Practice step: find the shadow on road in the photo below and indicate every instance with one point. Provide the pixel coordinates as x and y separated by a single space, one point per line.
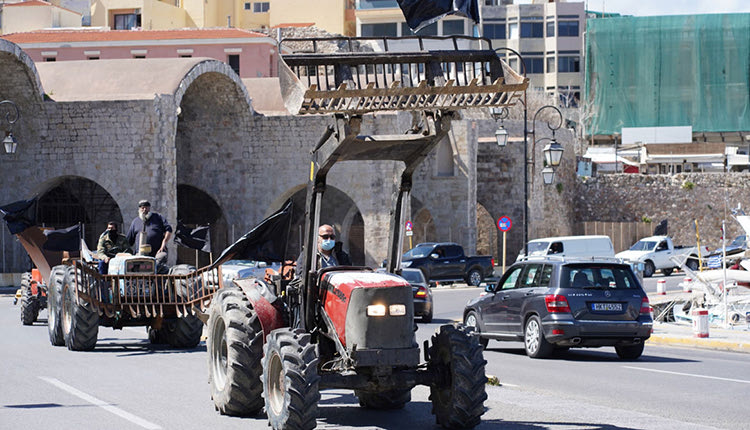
524 425
591 355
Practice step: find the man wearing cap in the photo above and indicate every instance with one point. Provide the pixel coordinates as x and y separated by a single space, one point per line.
152 232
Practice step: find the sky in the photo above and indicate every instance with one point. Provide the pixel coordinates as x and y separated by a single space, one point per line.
668 7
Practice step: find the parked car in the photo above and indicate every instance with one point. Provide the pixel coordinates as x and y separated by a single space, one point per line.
563 303
422 293
447 262
656 252
570 246
737 246
239 269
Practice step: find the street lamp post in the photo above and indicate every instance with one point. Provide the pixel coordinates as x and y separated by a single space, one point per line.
552 152
9 142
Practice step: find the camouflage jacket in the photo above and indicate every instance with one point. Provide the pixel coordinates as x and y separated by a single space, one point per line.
109 248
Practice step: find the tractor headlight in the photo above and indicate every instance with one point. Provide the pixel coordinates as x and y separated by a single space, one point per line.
397 310
376 310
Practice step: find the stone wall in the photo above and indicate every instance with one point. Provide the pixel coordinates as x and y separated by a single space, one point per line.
682 198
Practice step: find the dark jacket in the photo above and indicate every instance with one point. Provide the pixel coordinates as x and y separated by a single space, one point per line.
156 227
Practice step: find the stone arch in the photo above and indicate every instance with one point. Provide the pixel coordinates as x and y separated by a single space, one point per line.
196 207
423 224
337 209
206 68
68 200
487 234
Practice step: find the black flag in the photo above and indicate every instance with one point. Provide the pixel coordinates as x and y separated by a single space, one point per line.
420 13
66 239
265 242
661 228
19 215
198 238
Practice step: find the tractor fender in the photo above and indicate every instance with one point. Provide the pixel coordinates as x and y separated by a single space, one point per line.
262 299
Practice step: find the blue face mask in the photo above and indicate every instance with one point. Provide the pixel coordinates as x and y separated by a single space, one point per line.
327 244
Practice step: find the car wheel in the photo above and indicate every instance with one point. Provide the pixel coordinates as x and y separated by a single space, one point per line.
630 352
474 278
427 318
471 320
692 264
667 272
648 269
534 341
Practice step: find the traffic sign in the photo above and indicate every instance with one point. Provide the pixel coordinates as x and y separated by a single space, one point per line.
409 233
408 226
504 223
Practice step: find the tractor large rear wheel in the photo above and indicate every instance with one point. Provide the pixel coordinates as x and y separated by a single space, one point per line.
29 302
290 380
80 319
54 306
458 394
235 351
391 399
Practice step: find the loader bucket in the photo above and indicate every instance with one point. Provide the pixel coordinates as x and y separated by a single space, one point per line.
32 239
394 73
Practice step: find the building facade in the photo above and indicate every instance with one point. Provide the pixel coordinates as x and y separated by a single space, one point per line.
35 15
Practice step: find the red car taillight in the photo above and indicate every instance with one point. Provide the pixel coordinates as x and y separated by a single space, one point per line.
492 262
421 292
645 306
556 303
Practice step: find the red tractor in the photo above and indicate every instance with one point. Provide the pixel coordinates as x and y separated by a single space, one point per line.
350 327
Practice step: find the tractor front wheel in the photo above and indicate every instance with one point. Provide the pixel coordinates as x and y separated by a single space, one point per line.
80 319
54 306
29 302
391 399
458 394
235 351
290 380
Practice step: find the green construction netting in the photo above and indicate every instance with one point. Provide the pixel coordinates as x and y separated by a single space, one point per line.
668 71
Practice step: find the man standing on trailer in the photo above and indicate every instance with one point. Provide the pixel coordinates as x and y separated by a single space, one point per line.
152 231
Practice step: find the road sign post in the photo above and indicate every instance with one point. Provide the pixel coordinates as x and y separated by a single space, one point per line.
504 224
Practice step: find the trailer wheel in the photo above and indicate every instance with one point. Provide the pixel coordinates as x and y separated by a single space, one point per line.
290 380
80 319
29 302
391 399
183 332
54 306
458 394
235 351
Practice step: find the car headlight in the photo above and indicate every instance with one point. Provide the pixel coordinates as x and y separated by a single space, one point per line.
397 310
376 310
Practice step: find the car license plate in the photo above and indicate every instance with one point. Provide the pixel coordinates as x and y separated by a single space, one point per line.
606 307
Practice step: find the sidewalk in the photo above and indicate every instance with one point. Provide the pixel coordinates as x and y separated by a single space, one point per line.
673 334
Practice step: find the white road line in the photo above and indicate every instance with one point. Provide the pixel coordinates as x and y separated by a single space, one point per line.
94 401
689 374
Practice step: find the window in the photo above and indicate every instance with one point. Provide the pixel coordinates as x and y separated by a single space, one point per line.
92 58
430 30
550 64
570 99
139 56
247 6
513 30
510 279
494 31
48 59
127 21
379 30
532 29
567 29
453 27
185 56
551 29
234 62
261 7
534 65
453 251
445 158
569 64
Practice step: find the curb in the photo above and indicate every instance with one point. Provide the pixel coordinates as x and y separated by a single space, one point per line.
704 343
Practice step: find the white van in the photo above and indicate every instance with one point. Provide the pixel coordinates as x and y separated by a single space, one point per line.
570 246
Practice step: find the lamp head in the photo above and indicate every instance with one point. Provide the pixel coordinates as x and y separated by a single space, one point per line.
553 153
10 143
548 175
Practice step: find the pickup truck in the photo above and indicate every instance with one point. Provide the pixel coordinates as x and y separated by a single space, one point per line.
655 253
447 262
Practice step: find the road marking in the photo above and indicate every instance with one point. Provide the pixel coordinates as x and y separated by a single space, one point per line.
689 374
104 405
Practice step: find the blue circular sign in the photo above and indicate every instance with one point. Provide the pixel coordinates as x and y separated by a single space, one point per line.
504 223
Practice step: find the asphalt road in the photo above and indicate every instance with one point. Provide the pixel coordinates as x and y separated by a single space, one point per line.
127 384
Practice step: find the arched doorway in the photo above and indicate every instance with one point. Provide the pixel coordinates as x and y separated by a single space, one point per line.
423 225
487 234
194 208
72 200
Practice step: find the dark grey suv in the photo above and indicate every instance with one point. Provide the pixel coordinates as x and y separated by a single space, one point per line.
558 304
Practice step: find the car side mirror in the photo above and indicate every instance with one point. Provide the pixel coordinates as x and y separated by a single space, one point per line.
434 256
490 288
262 264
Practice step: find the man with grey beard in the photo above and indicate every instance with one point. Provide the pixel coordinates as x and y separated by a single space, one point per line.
152 232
